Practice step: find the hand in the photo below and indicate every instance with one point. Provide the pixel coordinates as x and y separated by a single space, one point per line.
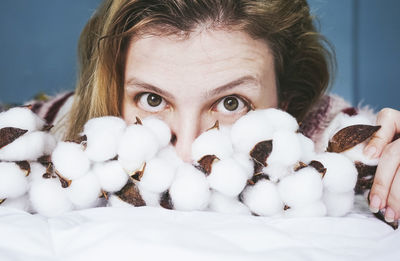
385 191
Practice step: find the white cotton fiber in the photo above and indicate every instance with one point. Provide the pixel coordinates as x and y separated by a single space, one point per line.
37 171
70 160
103 135
189 190
280 120
357 154
84 192
338 204
245 162
115 202
277 171
286 148
307 148
158 175
111 176
21 203
249 130
152 199
341 174
263 198
13 182
228 205
314 209
169 154
138 144
48 198
227 177
160 130
301 188
29 146
212 142
22 118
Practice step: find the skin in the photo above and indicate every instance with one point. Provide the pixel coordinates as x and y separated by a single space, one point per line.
194 77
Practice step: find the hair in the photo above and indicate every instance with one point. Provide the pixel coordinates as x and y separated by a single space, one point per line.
302 60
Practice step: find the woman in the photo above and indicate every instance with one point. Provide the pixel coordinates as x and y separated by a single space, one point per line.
191 63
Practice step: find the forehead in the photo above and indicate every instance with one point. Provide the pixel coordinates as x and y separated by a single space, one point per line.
211 57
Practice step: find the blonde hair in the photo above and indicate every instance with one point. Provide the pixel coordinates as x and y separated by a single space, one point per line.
302 63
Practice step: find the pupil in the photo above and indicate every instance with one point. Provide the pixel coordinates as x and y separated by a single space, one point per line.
231 103
153 100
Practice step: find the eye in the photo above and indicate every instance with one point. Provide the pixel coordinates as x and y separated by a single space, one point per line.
151 102
231 104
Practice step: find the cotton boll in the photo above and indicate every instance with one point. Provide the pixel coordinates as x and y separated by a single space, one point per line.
227 177
49 144
21 203
341 174
228 205
169 154
212 142
307 148
84 192
29 146
189 190
160 130
357 154
22 118
13 182
286 148
70 160
249 130
138 144
263 198
341 121
301 188
356 119
314 209
280 120
158 175
103 135
152 199
245 162
338 204
37 171
277 171
116 202
48 198
111 176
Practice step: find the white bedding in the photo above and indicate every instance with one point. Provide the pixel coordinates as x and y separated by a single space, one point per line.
148 233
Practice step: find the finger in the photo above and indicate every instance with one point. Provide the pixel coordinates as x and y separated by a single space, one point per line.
387 167
392 212
389 120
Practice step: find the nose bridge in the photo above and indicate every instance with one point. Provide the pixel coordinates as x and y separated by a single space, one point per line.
186 128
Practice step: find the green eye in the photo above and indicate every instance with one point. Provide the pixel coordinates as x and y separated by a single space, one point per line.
231 103
153 100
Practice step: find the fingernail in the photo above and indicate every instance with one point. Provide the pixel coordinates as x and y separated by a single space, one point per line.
389 215
370 152
374 204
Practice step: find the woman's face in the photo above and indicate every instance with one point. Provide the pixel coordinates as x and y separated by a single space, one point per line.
190 84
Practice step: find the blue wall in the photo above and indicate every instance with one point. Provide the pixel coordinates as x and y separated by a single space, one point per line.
38 47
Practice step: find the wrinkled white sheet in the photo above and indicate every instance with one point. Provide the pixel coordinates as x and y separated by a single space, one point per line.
147 233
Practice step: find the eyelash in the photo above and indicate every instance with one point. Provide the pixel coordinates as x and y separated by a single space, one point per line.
247 104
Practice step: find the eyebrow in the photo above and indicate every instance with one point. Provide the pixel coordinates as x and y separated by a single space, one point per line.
149 87
245 80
